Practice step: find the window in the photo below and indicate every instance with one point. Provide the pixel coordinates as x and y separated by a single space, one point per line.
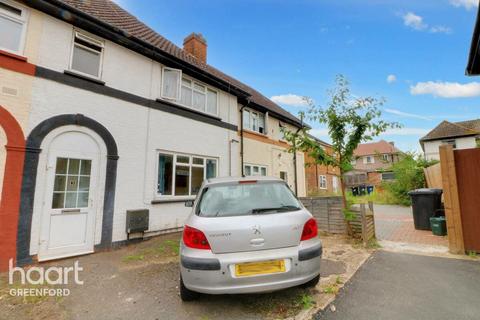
284 176
234 199
388 176
171 83
368 160
188 92
322 182
12 27
281 129
182 175
453 143
254 170
386 157
72 183
353 161
86 55
253 120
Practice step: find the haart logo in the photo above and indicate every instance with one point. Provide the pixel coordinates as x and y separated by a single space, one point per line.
51 276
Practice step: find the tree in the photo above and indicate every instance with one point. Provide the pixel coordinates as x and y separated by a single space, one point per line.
350 120
409 176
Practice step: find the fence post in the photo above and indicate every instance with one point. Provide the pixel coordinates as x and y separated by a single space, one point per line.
363 218
452 202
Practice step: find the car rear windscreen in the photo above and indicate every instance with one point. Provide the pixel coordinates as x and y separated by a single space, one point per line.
235 199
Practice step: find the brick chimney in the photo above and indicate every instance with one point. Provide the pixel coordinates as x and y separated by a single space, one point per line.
196 45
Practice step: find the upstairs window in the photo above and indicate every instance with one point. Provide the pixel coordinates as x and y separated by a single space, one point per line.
368 160
188 93
254 170
12 27
386 157
322 182
87 55
254 121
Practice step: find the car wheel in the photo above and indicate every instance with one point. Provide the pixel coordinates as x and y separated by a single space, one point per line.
187 294
312 283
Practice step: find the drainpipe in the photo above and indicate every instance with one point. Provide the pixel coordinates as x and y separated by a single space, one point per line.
241 135
295 157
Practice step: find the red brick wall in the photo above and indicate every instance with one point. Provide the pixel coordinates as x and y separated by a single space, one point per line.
313 171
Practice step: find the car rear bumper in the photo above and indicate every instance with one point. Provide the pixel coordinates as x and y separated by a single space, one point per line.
206 272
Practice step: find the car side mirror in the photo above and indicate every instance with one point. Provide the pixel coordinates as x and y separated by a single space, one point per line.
189 203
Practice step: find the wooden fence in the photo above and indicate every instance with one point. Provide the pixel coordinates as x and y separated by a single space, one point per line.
330 218
461 188
433 176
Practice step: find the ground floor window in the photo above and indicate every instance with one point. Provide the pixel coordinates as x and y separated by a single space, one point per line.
322 182
254 170
284 176
388 176
182 175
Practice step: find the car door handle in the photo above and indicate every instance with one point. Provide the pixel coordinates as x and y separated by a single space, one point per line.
257 242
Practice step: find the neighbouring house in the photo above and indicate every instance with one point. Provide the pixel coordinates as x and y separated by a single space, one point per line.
372 164
105 121
461 135
321 179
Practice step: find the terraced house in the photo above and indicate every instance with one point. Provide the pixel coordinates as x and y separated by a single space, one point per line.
104 119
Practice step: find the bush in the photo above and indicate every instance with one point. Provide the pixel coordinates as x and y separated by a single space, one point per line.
408 176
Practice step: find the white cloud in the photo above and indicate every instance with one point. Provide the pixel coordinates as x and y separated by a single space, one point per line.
391 78
416 22
411 20
290 100
447 89
406 114
467 4
440 29
406 132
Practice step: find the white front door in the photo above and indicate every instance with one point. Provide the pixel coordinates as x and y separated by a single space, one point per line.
68 217
335 184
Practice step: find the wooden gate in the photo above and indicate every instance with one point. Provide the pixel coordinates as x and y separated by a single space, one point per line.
461 184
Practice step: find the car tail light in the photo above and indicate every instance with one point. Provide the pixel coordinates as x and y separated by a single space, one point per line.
194 238
310 230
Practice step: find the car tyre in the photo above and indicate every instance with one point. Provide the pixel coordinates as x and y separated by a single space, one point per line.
312 283
187 294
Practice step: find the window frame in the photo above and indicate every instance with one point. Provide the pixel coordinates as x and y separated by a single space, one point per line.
23 19
190 165
178 99
386 157
389 172
94 41
322 179
179 84
255 115
365 160
258 166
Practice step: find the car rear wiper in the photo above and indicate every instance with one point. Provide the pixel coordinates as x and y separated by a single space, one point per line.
277 209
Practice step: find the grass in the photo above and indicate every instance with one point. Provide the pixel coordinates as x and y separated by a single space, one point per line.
167 248
331 289
306 301
472 254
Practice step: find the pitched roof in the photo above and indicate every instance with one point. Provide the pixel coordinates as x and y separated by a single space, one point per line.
448 129
112 14
382 146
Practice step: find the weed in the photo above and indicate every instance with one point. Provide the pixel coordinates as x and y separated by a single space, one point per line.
306 301
472 254
134 257
339 280
332 289
373 244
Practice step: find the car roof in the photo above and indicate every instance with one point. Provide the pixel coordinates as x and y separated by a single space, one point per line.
237 179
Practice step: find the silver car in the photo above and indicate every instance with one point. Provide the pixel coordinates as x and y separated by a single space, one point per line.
247 235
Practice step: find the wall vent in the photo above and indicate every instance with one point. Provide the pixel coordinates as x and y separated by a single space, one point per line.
8 91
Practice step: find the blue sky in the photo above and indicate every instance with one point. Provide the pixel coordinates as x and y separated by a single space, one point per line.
413 53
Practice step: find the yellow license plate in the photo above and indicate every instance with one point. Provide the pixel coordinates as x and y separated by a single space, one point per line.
263 267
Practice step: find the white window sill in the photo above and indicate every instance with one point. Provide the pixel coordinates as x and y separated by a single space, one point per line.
176 104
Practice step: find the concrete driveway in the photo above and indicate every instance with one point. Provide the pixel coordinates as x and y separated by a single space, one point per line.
403 286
